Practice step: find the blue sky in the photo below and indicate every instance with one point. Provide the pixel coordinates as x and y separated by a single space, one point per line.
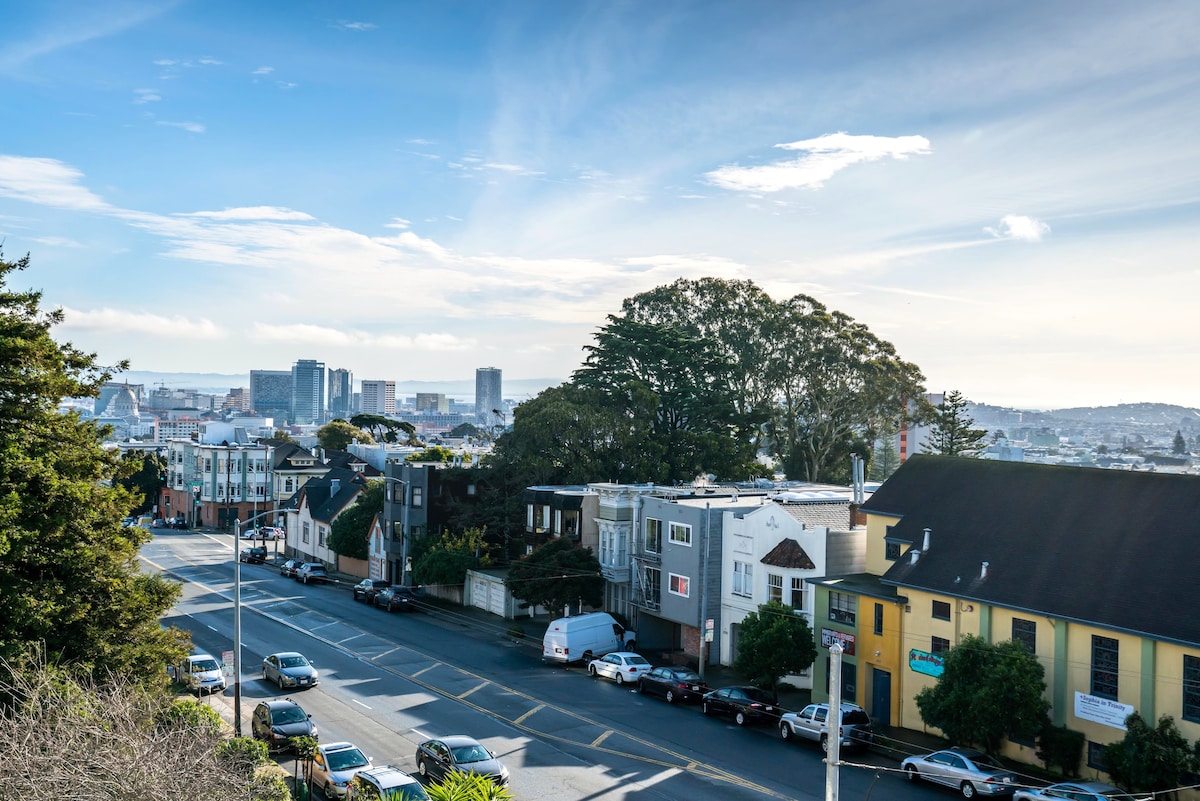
1009 193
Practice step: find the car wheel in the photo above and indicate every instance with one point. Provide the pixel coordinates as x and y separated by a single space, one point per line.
592 671
785 731
641 687
911 774
423 769
279 681
967 790
740 718
620 679
824 743
330 792
670 696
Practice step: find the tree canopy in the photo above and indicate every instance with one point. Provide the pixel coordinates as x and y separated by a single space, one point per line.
1151 759
336 435
448 560
556 575
950 432
351 529
774 642
386 429
69 575
987 692
143 474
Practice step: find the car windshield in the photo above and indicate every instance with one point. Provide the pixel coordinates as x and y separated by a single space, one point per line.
346 759
985 761
412 791
293 661
204 665
687 675
290 714
636 660
470 753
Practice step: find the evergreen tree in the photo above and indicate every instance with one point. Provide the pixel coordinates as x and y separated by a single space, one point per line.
69 573
950 433
886 459
1180 445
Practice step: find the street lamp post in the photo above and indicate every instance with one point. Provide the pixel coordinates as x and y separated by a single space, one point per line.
237 622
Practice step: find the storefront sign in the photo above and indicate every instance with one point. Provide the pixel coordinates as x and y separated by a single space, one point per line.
925 662
829 637
1102 710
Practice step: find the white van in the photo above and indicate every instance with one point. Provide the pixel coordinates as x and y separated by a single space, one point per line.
584 637
200 673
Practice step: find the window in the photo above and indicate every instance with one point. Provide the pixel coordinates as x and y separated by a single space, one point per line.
878 627
653 585
304 532
653 535
842 607
321 536
287 485
1025 632
678 585
743 579
1095 756
938 645
681 534
612 547
416 497
774 588
1191 688
891 551
798 593
1105 653
941 610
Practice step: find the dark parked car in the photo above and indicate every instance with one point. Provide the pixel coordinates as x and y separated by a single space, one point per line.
179 523
745 703
275 722
673 684
289 568
438 758
310 572
396 599
365 590
253 556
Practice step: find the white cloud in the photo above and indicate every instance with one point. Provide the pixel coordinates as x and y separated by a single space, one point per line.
824 157
123 321
263 71
357 26
1018 226
142 96
251 213
304 333
398 222
286 84
47 182
208 61
420 141
165 62
192 127
57 241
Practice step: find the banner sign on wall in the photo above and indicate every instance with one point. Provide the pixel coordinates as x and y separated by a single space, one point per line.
1102 710
925 662
829 637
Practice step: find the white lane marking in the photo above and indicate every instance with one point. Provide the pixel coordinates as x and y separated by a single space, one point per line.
360 703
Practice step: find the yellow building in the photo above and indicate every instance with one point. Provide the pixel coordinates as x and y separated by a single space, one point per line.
1094 570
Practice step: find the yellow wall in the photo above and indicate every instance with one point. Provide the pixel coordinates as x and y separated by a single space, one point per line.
876 548
879 651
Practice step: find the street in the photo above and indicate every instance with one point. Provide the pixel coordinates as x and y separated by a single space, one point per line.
390 680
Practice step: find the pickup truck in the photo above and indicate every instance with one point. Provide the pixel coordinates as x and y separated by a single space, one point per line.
811 723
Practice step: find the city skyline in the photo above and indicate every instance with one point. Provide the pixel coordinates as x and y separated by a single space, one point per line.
1007 194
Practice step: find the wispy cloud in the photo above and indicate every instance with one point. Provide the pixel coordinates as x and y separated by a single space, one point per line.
208 61
1020 227
328 336
250 213
398 222
263 71
191 127
142 96
356 26
286 84
144 322
823 158
420 141
46 182
57 241
69 30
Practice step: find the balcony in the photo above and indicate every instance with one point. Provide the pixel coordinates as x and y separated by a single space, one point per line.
618 574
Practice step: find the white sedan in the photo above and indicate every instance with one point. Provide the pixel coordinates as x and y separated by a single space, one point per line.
264 533
621 666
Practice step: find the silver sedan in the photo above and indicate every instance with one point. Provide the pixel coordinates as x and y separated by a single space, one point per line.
969 771
1073 791
289 669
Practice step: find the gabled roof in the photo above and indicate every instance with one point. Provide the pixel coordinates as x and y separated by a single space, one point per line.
788 554
833 515
323 503
1113 548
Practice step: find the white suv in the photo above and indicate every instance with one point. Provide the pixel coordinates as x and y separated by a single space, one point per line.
811 723
311 571
387 783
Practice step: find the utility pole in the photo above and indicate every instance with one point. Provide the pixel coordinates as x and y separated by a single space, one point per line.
834 723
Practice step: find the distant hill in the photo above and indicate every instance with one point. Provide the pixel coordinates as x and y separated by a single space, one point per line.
1144 413
220 383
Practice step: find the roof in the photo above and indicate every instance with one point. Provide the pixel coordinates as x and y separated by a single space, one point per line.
788 554
323 503
1112 548
834 515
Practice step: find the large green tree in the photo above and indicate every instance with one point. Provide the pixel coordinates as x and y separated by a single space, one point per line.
774 642
350 530
143 474
69 573
386 429
1150 759
556 575
951 432
336 435
987 692
450 557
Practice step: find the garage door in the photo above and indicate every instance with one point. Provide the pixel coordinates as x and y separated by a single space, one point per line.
496 599
479 593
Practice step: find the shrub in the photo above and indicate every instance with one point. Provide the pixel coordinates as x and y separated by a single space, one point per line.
1061 747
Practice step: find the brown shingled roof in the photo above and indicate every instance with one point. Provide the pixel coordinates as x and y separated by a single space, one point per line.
789 554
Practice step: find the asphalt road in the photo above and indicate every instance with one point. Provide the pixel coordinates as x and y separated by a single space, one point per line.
390 680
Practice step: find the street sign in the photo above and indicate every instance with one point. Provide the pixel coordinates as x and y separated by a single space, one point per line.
227 663
709 626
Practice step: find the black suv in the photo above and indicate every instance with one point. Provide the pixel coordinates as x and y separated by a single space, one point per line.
396 599
253 556
365 590
276 722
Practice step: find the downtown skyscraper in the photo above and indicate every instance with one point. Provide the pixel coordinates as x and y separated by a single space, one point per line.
489 401
308 392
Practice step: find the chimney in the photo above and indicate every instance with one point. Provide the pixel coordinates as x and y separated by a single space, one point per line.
916 555
335 484
857 516
925 542
983 570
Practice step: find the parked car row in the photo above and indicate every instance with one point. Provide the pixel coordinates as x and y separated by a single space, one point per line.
382 595
304 572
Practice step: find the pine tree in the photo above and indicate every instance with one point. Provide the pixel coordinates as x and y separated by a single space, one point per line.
951 433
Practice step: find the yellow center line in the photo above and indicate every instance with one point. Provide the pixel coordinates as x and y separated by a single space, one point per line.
531 712
601 738
426 669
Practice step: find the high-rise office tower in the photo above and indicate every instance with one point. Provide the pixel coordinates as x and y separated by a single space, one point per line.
432 402
341 394
308 392
271 394
489 402
378 397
